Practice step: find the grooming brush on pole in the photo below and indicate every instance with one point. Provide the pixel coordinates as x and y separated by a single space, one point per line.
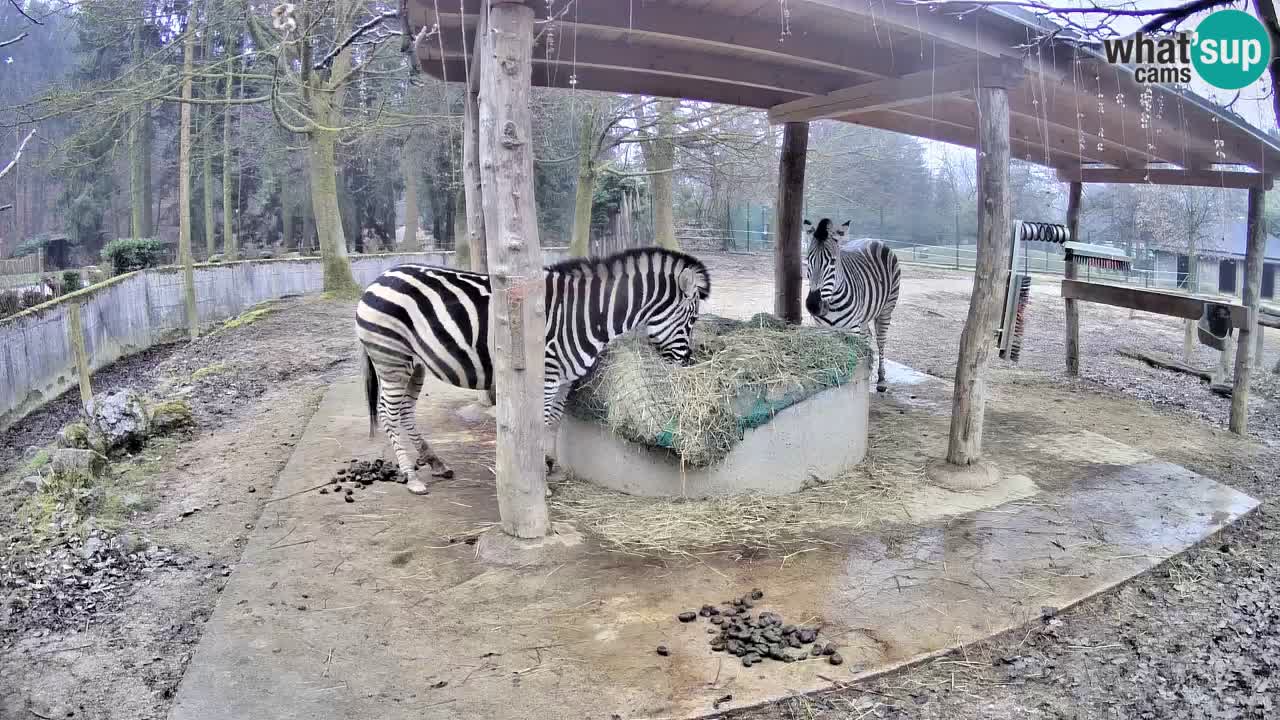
1100 257
1017 293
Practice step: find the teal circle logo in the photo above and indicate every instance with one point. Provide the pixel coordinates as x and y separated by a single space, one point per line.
1232 49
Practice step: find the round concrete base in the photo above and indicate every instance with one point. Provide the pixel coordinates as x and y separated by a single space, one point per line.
564 544
821 437
962 478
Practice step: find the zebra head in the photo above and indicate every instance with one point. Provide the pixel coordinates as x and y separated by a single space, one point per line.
670 327
821 264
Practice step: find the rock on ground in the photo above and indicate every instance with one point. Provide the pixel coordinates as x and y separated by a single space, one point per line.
69 461
120 418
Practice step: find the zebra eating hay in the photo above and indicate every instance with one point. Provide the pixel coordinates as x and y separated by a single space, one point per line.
416 319
862 287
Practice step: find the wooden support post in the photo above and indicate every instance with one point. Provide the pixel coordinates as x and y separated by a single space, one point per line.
1251 298
75 333
471 163
1069 272
515 264
1222 374
969 399
788 278
184 185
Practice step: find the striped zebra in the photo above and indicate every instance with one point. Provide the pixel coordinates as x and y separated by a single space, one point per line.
416 319
860 288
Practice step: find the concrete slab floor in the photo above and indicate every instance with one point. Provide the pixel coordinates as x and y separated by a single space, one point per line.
379 608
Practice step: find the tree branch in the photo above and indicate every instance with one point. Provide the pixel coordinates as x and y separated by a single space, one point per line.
22 12
1182 12
13 40
355 35
17 156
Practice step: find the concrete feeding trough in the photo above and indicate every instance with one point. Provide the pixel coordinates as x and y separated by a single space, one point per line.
764 408
821 436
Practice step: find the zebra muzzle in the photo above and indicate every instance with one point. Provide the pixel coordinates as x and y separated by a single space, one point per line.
815 304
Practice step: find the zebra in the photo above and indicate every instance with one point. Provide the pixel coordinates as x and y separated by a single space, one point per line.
415 319
863 286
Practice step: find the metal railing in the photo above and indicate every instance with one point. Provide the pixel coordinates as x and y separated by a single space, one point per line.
1047 263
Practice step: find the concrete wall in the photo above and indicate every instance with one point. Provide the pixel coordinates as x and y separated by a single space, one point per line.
132 312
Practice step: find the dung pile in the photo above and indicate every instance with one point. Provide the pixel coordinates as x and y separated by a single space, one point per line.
360 474
756 638
741 375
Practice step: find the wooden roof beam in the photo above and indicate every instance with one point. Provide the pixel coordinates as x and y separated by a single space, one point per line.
1233 179
962 135
1044 143
674 62
628 80
1059 104
953 28
897 92
708 32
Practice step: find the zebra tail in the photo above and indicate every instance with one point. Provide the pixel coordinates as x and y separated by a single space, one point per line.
371 392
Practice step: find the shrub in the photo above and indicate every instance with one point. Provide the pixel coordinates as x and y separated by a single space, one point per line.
71 281
10 303
32 298
129 254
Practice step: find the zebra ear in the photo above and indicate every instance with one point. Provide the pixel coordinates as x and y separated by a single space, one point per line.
841 230
687 282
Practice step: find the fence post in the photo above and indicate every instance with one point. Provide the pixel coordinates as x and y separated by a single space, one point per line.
75 333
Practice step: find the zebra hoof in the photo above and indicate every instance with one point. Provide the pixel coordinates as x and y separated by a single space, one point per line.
417 487
882 388
445 473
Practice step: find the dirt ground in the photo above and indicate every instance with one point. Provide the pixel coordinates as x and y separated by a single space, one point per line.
1198 637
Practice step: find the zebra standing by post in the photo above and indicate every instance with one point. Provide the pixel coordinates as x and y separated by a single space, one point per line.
851 288
416 319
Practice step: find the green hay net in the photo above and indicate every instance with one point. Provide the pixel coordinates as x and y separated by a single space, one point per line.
742 375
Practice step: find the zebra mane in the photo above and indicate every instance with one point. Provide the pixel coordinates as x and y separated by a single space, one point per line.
616 264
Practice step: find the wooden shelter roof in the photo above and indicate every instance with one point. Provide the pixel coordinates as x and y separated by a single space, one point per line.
882 64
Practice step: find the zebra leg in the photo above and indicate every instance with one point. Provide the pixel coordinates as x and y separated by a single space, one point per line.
882 335
393 385
408 416
553 398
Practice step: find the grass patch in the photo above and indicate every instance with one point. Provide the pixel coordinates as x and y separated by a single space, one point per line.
248 317
37 462
69 503
208 371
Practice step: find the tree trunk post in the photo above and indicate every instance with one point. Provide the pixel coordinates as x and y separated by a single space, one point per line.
411 169
1252 297
75 333
184 180
515 263
474 195
969 399
1069 272
230 246
1259 343
788 277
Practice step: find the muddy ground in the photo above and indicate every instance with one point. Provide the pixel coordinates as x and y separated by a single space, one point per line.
1198 637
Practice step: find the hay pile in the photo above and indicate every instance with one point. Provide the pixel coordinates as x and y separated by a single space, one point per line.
741 375
867 497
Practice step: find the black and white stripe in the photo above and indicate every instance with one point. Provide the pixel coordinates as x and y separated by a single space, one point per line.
416 319
854 287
